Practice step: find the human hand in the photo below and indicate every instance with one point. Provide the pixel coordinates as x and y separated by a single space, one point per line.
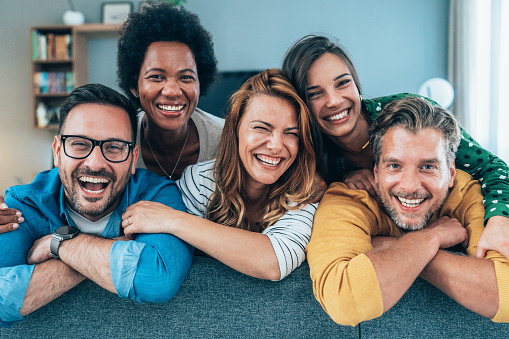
380 243
362 179
319 188
494 237
40 250
449 232
9 218
147 217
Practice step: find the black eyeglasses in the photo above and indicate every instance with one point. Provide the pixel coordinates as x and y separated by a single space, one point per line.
113 150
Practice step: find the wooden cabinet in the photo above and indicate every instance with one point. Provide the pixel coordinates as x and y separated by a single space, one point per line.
59 64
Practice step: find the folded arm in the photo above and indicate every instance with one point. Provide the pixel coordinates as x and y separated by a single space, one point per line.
470 281
152 268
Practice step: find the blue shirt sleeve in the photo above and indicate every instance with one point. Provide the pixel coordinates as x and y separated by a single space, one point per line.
15 274
153 267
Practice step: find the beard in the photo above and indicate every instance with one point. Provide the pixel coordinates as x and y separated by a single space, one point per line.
418 222
94 209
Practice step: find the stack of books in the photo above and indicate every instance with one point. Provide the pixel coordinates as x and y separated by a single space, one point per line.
51 46
53 82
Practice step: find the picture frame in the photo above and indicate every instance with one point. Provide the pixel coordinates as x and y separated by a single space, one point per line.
115 12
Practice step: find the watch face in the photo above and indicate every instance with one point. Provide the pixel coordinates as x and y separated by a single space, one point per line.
66 230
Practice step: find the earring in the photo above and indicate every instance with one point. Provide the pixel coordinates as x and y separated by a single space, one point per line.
360 97
136 95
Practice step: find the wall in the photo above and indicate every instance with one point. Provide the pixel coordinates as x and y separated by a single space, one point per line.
395 45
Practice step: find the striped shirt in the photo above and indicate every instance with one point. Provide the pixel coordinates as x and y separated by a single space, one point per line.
288 236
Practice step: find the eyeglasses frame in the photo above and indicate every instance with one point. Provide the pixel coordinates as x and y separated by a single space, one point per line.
94 142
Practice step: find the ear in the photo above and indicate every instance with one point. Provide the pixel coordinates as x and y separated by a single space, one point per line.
136 154
56 150
452 173
134 91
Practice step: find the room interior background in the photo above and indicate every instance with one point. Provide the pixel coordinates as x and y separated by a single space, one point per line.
395 44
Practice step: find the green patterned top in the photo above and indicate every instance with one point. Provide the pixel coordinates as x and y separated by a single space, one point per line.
490 170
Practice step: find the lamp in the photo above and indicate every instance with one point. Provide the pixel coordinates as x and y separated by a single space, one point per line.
439 90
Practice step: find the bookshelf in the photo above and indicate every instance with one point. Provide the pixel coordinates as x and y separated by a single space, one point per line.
59 63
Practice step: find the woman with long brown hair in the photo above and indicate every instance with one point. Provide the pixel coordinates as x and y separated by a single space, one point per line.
248 208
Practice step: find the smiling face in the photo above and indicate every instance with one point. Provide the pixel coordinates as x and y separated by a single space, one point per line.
168 85
333 97
93 186
413 176
268 139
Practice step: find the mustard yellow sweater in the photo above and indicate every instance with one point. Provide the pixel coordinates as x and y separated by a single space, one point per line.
344 279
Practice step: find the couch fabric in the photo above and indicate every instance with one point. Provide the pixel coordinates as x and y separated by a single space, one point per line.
218 302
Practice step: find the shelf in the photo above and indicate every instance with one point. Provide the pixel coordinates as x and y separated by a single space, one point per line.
53 62
77 64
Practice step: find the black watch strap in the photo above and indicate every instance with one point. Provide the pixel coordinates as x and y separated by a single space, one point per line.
61 234
54 246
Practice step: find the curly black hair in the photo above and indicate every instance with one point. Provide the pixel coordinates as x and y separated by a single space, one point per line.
157 21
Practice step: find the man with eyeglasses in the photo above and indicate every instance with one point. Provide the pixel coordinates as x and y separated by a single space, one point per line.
72 228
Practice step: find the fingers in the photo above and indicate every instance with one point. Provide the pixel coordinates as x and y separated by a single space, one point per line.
481 251
8 227
9 218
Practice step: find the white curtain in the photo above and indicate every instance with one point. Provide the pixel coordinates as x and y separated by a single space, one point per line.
479 70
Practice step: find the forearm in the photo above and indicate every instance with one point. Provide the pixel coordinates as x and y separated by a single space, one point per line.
471 282
90 256
399 265
49 280
248 252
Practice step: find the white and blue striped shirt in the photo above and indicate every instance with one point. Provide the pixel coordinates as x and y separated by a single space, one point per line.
288 236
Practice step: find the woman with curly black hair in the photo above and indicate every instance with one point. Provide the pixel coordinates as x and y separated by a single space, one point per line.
165 61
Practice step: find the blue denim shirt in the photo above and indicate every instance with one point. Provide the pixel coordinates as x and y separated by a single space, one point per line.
151 268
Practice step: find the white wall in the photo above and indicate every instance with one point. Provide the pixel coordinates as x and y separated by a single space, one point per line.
395 45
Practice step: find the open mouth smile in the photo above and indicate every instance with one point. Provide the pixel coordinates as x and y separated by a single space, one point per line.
411 203
171 108
93 185
337 116
268 161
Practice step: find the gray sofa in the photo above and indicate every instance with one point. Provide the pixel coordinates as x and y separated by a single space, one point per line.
218 302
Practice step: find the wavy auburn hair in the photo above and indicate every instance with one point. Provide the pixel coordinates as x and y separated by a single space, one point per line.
228 202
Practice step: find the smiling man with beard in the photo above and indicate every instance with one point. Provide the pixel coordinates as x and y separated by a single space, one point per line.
73 215
365 253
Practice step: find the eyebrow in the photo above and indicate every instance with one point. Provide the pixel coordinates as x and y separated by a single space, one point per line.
155 69
336 78
269 125
425 161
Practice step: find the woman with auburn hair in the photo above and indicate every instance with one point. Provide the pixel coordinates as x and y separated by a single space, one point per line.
248 208
326 79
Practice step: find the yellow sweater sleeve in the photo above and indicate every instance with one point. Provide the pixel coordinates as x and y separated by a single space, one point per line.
344 279
469 211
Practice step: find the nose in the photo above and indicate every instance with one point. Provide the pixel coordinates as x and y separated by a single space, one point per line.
409 181
275 143
333 99
95 159
171 88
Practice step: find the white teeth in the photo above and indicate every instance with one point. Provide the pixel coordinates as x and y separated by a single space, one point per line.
173 108
410 202
94 180
269 161
338 116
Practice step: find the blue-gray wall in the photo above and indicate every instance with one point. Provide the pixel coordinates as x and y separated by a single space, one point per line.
395 45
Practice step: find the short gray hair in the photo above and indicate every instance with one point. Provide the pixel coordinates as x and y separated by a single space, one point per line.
415 113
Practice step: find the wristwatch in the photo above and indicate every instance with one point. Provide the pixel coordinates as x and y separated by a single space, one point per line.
61 234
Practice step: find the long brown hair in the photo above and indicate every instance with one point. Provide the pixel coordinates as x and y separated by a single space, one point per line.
228 202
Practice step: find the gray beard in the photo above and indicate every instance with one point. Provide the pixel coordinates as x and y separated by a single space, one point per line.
395 218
